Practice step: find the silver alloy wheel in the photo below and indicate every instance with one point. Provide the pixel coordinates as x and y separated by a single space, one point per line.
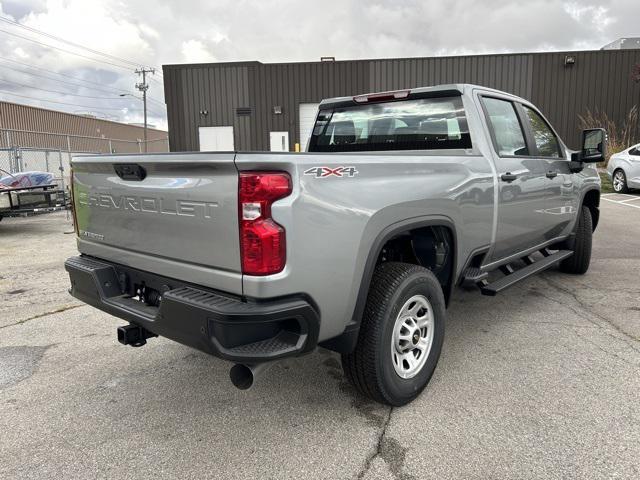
412 336
618 181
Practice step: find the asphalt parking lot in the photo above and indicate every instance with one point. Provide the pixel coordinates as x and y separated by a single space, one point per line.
542 381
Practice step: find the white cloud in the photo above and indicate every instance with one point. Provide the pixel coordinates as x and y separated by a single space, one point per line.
166 31
596 16
94 24
195 51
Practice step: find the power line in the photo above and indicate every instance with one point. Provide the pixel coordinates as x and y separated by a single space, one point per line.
56 73
60 39
103 87
160 114
66 51
91 107
120 97
68 42
14 69
60 103
59 92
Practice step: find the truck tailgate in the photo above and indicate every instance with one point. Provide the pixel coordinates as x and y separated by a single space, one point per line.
173 214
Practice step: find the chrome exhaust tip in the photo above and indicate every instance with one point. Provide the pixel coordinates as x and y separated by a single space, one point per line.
243 376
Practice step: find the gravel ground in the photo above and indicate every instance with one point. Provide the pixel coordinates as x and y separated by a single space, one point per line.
542 381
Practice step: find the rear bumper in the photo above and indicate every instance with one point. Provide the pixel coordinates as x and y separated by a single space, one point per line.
226 326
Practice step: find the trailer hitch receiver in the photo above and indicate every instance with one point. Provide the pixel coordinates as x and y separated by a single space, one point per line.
134 335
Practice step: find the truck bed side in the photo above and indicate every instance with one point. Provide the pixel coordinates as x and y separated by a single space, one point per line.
332 222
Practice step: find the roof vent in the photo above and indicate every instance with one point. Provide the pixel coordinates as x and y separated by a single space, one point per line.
243 111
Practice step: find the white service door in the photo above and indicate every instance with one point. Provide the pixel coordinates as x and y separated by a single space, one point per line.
279 141
307 114
216 139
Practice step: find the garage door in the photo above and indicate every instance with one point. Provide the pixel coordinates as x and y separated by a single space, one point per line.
307 116
216 139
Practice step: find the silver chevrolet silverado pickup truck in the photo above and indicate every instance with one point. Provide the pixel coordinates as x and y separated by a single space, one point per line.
355 246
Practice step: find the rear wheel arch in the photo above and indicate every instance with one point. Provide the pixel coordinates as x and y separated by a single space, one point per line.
346 342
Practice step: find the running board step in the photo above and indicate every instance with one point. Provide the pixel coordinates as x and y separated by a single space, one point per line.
531 269
473 276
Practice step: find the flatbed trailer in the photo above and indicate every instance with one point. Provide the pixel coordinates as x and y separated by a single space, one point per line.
32 200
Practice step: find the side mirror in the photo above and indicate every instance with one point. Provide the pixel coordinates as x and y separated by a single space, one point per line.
593 145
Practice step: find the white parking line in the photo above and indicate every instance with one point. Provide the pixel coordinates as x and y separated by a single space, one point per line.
621 197
618 195
621 202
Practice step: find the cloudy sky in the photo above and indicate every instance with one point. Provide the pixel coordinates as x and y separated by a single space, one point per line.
37 68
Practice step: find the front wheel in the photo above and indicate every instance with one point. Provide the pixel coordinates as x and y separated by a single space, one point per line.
401 334
579 262
620 181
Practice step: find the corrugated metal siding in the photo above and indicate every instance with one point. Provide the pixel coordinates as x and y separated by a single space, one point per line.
217 89
600 80
511 73
289 85
25 117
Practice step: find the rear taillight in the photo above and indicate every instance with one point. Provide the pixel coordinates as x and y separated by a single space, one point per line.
262 240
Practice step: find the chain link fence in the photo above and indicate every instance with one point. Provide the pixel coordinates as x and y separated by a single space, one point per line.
25 150
79 143
20 159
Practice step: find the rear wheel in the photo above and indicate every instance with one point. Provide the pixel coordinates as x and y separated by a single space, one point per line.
579 262
401 334
620 181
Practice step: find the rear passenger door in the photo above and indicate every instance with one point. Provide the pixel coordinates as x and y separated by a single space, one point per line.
561 198
522 181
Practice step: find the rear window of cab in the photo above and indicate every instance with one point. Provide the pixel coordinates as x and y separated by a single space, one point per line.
414 124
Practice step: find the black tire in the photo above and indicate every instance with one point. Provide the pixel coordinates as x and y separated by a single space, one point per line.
578 263
623 186
370 367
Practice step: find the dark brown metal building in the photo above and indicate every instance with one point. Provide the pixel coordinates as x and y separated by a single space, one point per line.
256 106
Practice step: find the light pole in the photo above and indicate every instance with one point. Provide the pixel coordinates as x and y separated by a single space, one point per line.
144 106
144 103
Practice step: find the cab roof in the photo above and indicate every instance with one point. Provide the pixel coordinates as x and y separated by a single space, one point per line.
445 90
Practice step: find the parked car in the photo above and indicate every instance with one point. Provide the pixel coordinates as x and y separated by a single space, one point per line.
355 246
624 169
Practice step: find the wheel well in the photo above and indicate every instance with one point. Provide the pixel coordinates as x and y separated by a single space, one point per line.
431 247
592 202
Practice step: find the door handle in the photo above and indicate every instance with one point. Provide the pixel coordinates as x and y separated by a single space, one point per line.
552 174
508 177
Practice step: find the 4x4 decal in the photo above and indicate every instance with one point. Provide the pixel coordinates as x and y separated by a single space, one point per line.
324 172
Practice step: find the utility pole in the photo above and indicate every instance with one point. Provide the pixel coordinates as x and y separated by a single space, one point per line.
143 87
